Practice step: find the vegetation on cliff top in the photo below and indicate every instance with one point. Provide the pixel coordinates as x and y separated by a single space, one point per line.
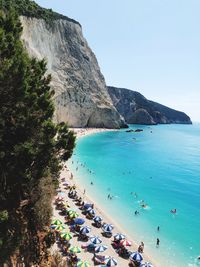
32 147
29 8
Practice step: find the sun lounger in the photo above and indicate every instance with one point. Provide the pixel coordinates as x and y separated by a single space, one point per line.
107 234
98 259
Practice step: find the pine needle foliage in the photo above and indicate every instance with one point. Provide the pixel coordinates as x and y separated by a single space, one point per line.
32 146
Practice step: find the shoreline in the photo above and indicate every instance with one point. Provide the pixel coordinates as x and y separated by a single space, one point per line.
83 132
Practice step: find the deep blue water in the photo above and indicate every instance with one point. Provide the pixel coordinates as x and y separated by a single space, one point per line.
162 165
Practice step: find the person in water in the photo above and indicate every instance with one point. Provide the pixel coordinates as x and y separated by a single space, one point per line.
157 242
158 228
173 211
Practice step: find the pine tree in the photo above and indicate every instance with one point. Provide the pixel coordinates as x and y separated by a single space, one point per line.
31 145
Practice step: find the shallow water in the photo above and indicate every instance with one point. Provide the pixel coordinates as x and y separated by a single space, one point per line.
162 166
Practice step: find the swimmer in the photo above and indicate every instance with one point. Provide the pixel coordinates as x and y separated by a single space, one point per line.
157 242
158 228
173 211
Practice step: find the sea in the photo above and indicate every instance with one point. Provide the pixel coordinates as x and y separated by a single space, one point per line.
155 172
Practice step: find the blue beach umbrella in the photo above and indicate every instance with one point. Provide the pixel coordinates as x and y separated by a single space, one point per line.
110 261
79 221
88 209
100 248
146 264
87 205
92 212
108 227
97 219
119 237
95 240
136 256
85 230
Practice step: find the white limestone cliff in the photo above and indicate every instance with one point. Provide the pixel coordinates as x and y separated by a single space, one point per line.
81 96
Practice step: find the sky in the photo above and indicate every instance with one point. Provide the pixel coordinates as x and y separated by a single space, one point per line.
150 46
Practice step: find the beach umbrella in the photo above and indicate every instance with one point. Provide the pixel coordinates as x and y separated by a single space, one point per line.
73 215
60 228
79 221
97 219
70 211
92 212
146 264
125 243
119 237
100 248
136 256
87 205
110 261
82 264
75 249
66 235
89 209
108 227
56 222
95 240
85 230
67 205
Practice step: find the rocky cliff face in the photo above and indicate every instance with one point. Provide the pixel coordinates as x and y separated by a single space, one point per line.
81 96
136 109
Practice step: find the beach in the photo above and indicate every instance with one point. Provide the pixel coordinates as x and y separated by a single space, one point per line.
66 177
81 132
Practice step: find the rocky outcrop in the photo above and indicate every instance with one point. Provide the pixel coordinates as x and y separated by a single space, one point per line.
136 109
81 96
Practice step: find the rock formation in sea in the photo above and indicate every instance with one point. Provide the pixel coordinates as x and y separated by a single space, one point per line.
81 96
136 109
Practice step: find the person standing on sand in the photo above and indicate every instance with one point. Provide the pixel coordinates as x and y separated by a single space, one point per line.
141 247
84 192
157 242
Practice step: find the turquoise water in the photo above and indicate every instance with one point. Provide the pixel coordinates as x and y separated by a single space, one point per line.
162 165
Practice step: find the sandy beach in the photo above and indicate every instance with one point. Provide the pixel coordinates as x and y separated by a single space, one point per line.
81 132
66 177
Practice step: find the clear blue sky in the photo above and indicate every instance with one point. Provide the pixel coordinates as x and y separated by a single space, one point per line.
152 46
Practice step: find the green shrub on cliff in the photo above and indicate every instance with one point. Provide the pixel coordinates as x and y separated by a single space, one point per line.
31 9
31 145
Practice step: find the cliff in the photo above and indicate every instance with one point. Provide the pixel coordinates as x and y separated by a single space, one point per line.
136 109
81 96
